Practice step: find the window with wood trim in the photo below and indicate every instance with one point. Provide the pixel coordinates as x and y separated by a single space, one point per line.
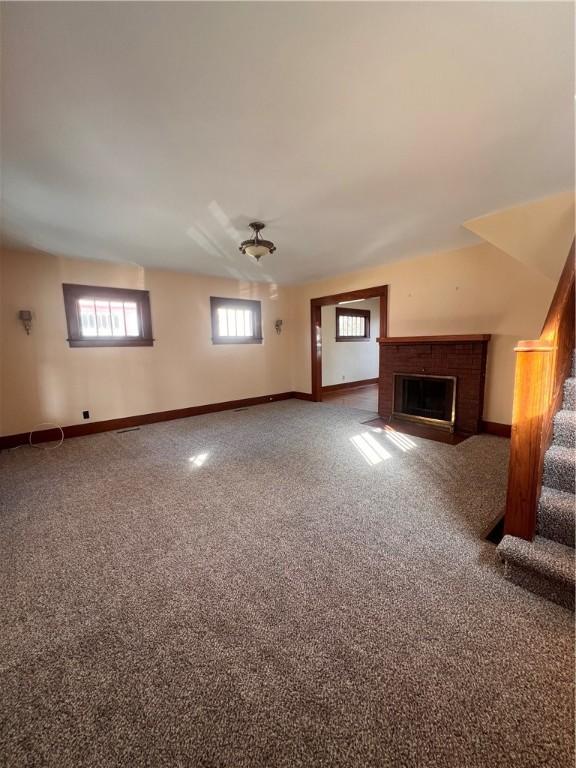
236 321
352 324
107 317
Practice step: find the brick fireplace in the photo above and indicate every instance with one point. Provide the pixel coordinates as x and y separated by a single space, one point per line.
421 373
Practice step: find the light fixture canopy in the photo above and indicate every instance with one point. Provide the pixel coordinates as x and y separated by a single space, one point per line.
256 246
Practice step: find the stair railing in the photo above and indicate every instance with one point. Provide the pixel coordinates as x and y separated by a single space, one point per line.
542 366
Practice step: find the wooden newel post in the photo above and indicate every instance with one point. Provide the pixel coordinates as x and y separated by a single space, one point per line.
533 384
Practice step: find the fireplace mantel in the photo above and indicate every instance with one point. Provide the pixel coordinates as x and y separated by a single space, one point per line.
459 339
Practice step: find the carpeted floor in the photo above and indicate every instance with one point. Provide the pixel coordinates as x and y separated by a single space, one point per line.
274 587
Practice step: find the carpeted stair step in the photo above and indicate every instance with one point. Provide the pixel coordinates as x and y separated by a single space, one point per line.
565 428
559 468
557 516
570 394
542 566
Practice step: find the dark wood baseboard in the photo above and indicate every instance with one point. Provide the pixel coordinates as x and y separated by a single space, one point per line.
110 425
349 385
495 428
303 396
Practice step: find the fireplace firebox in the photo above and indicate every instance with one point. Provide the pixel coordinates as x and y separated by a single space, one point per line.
426 399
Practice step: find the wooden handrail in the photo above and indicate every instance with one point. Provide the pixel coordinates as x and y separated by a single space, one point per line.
542 366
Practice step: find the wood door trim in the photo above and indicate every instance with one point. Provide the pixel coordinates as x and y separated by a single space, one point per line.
379 291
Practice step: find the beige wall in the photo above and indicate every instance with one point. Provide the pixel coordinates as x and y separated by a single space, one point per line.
472 290
45 380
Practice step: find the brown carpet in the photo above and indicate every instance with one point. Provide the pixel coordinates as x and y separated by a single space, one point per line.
276 587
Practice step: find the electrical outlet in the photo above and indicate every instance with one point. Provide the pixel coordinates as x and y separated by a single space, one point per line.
85 414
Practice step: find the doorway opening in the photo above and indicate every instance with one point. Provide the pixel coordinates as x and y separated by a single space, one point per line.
345 329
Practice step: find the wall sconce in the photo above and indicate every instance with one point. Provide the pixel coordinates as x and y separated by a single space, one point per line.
278 327
26 319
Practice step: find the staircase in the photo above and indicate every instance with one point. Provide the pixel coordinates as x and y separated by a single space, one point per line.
545 565
538 543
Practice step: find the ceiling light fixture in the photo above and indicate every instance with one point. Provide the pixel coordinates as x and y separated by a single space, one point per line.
256 247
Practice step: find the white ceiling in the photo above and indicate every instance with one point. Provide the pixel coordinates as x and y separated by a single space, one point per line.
361 133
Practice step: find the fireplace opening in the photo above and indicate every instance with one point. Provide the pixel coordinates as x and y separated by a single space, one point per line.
428 399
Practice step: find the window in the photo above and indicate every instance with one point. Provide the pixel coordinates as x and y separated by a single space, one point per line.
236 321
107 317
352 324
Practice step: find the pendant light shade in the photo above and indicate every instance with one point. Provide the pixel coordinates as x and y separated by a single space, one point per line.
256 246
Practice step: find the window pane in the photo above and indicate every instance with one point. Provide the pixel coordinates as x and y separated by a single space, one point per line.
103 318
117 315
131 318
237 323
99 317
240 323
87 317
222 322
232 322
